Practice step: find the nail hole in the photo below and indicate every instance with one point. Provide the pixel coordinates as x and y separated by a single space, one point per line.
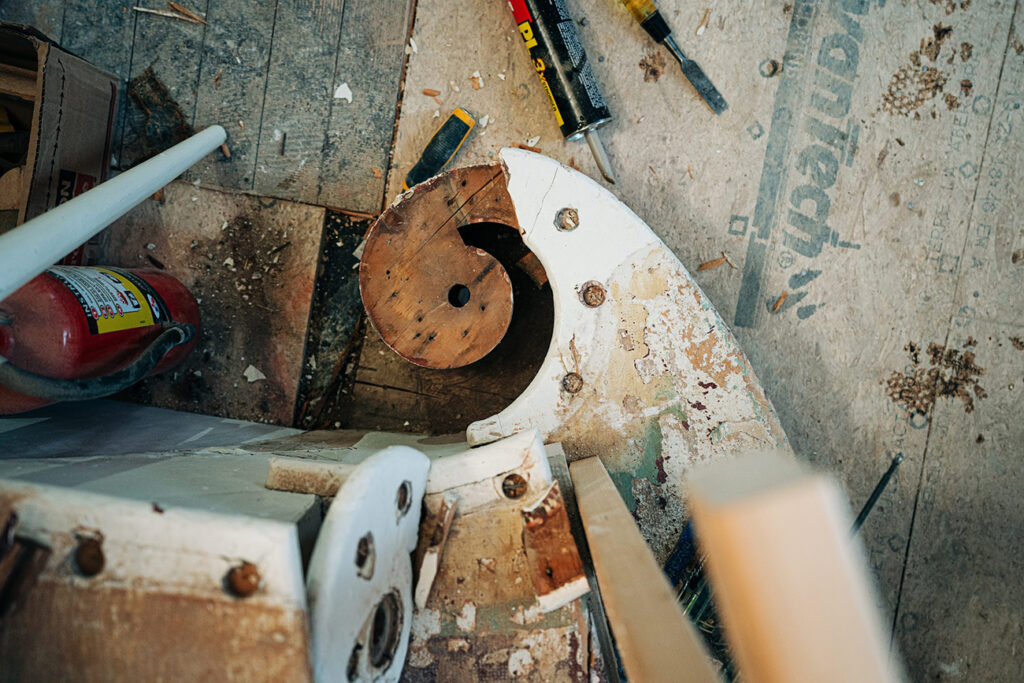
458 295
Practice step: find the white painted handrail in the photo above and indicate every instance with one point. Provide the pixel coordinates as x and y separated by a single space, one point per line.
32 247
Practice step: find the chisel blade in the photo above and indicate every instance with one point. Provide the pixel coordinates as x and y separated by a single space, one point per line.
701 83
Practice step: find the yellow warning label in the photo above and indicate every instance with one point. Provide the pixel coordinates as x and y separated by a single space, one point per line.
111 302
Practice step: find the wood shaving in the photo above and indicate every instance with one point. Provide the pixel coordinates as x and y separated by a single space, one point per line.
430 92
704 22
528 148
187 12
224 149
778 302
376 173
713 263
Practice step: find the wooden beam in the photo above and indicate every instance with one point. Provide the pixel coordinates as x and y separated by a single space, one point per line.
789 580
656 640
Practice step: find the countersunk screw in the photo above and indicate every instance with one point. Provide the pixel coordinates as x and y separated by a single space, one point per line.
243 580
572 383
593 294
567 219
89 556
514 486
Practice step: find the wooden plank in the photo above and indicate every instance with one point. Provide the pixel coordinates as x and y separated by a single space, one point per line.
360 132
232 81
298 100
656 640
102 33
161 93
47 16
788 579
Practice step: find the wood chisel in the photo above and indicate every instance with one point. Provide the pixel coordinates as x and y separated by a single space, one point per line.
565 74
645 12
443 145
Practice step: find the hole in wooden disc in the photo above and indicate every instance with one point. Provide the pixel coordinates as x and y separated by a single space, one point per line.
458 295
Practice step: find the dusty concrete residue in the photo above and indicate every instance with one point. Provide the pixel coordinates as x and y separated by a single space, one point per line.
653 66
950 373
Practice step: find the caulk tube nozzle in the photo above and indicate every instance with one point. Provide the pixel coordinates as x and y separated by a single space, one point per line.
600 156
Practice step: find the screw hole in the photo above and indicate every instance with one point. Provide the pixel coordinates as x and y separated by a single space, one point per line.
384 634
458 295
403 499
364 556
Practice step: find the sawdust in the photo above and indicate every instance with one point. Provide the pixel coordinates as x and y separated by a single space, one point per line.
951 373
910 88
653 66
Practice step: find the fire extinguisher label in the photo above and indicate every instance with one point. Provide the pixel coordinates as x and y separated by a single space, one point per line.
112 299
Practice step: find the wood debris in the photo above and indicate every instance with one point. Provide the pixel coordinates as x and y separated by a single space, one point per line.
376 173
704 22
187 12
478 81
216 79
713 263
165 13
778 302
430 92
439 100
528 148
224 149
158 196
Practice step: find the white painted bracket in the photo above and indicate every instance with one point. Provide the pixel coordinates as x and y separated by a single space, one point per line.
360 574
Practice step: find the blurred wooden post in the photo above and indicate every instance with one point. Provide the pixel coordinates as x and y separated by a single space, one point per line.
788 579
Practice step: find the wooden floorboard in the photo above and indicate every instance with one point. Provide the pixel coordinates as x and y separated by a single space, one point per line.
232 84
360 132
47 17
160 99
298 100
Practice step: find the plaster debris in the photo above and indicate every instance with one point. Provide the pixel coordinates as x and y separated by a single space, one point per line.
484 120
453 86
252 374
478 81
151 246
437 113
229 262
501 76
412 44
532 142
343 92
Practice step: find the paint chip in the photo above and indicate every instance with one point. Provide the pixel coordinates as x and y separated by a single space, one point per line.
343 92
252 374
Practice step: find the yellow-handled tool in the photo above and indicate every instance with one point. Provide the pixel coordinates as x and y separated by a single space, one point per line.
647 14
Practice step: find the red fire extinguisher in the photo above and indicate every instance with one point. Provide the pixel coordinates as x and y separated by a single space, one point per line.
75 333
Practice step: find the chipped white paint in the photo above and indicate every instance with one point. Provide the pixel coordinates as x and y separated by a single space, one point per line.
176 550
343 596
466 619
520 663
425 623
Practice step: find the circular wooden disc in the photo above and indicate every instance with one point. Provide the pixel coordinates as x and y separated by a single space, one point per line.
436 301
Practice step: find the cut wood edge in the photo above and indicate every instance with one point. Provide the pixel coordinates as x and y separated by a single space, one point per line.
432 557
296 475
